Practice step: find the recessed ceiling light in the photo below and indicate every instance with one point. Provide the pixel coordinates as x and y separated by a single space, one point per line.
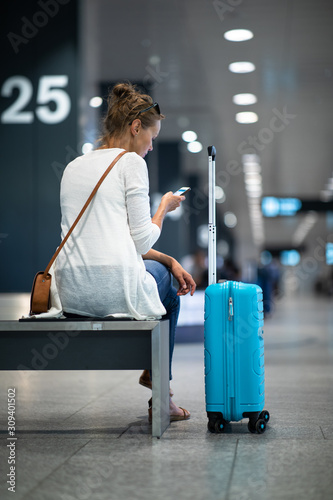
244 99
96 102
252 179
219 194
254 194
238 35
250 158
86 147
230 219
189 136
254 189
241 67
246 117
194 147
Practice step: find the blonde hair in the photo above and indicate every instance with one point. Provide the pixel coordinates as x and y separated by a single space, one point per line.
125 102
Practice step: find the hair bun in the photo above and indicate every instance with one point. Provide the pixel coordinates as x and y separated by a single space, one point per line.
123 90
125 103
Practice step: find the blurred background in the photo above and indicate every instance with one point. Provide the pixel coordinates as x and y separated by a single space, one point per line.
252 77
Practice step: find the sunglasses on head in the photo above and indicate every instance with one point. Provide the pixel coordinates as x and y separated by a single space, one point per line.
155 105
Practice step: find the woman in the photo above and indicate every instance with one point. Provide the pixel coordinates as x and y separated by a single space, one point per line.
108 265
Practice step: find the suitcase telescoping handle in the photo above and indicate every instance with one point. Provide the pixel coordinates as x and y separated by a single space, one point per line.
211 217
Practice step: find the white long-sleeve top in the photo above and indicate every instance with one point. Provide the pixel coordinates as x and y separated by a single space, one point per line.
100 270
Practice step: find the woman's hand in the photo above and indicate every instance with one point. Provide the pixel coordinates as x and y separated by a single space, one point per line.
170 202
185 280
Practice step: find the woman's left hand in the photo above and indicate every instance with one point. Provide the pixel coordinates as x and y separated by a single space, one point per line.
185 280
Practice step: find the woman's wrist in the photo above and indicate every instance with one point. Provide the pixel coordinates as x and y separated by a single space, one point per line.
163 258
162 209
172 261
166 260
158 218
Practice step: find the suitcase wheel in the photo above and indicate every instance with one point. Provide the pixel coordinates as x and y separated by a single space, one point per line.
217 426
258 426
220 426
264 415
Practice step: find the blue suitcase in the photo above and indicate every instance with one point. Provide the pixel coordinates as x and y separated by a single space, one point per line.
234 343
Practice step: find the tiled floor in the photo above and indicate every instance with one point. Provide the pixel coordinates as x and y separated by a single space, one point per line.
84 435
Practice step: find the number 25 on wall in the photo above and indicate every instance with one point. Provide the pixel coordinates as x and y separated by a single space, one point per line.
50 89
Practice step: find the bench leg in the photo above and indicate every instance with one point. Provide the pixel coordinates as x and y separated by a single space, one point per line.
160 378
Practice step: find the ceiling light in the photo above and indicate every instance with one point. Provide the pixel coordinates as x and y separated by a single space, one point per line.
251 168
219 194
246 117
253 179
194 147
238 35
250 158
244 99
230 219
86 147
189 136
253 187
241 67
96 102
253 191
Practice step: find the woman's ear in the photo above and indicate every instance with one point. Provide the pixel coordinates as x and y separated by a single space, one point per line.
135 126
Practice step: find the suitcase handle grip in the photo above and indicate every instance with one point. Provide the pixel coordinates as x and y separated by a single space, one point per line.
212 152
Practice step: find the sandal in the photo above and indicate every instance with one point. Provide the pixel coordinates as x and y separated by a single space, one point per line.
185 416
173 418
145 381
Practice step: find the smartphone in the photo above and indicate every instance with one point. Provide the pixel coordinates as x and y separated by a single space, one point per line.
182 191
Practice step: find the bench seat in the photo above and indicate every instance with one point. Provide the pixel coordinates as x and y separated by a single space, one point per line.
92 344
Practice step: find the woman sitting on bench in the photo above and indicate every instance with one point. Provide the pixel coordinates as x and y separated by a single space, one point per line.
108 266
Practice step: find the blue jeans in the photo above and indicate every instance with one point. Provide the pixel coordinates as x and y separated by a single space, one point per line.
169 298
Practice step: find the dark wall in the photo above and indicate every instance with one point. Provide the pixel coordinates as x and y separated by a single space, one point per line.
169 179
38 110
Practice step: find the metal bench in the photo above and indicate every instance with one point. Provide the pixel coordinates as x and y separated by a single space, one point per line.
92 344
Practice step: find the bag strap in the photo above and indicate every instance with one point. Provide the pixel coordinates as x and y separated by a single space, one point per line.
94 191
